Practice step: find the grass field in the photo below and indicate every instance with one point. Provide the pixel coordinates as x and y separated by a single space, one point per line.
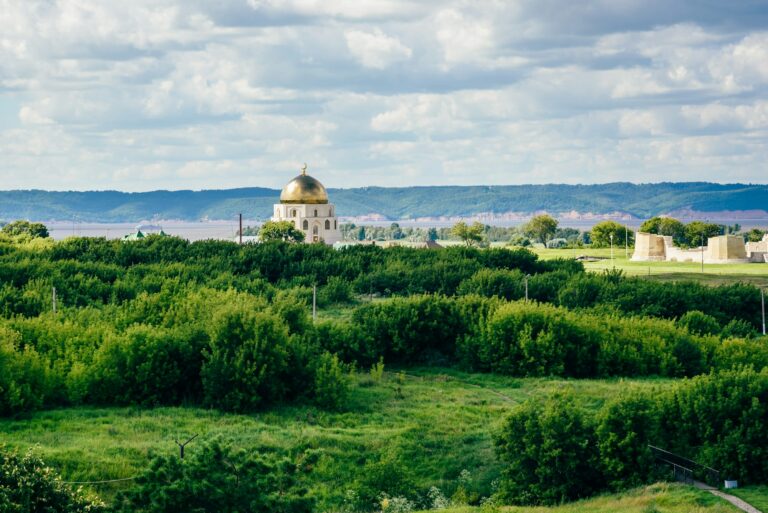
664 271
440 422
755 495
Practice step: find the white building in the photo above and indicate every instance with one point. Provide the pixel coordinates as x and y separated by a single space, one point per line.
304 202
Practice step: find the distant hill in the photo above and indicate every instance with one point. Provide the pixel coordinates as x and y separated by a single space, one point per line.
612 199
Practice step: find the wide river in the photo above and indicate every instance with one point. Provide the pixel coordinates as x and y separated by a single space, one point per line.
227 230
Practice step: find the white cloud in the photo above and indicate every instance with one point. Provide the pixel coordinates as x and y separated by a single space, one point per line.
29 116
376 49
170 94
462 38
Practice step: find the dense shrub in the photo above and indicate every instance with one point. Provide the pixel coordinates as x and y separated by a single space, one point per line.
24 380
216 477
332 382
699 323
382 477
144 323
494 283
247 363
148 366
721 420
27 485
549 453
413 329
626 425
553 451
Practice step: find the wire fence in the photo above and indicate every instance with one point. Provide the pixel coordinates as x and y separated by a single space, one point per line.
103 481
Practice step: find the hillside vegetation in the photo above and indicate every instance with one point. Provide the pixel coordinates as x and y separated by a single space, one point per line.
428 380
639 200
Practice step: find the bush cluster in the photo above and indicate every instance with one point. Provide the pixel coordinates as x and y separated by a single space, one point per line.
555 451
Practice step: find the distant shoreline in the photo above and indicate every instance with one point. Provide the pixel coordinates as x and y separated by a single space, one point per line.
227 230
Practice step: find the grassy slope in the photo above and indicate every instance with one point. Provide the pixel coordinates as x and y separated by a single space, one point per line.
442 423
658 498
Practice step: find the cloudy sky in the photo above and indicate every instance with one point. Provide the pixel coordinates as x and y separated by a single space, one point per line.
189 94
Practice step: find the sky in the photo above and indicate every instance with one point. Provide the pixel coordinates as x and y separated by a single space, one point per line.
193 94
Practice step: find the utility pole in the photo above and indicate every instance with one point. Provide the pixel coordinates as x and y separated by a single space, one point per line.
314 302
612 264
526 288
626 242
54 300
241 228
182 445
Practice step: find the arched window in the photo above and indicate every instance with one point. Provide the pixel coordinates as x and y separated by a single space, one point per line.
327 224
293 213
315 212
314 230
305 225
334 224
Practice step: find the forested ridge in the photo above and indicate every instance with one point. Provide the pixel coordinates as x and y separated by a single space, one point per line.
163 321
639 200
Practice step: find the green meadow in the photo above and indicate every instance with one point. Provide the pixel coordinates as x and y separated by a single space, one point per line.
436 421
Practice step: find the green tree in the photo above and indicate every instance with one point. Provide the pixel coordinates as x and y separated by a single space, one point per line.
665 226
626 425
756 235
602 231
216 477
697 232
280 230
24 381
432 234
494 282
25 228
541 227
397 232
549 453
699 323
332 381
470 235
27 485
247 363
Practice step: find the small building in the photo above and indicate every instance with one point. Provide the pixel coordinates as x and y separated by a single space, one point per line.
145 230
304 202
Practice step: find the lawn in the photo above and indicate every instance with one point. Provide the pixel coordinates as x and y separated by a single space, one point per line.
439 421
714 274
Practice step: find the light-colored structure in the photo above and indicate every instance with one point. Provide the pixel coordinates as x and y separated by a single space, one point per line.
649 247
723 249
726 248
758 251
304 202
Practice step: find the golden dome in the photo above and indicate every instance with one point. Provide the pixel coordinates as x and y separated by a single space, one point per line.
304 190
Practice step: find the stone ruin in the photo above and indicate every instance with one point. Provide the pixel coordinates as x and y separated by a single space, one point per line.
723 249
